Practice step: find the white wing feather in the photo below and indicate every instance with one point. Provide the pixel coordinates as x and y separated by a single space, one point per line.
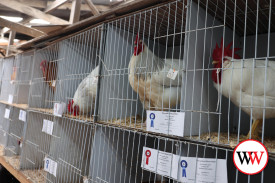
85 94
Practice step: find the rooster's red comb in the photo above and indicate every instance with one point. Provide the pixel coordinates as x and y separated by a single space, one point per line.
70 106
227 51
43 61
137 39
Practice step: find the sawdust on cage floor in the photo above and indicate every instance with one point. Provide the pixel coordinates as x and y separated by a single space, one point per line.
78 117
132 122
21 106
233 140
37 175
2 150
14 161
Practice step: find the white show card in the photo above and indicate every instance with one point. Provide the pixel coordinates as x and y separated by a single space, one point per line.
59 109
171 123
164 163
53 83
211 170
7 114
50 166
22 115
50 127
149 159
184 169
10 100
47 127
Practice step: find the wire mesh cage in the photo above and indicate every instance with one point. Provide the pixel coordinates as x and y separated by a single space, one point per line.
65 72
119 155
36 145
8 76
71 149
142 95
137 59
4 123
79 72
234 94
24 68
44 76
1 68
15 133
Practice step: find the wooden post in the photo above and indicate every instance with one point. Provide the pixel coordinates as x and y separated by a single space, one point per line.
11 41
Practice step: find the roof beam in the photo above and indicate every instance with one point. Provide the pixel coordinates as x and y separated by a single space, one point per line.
54 5
21 28
24 21
32 11
75 11
65 6
92 7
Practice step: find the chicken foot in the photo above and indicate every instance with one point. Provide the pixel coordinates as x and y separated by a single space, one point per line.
256 129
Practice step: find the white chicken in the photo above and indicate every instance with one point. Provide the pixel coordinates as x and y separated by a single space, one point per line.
148 77
84 97
242 91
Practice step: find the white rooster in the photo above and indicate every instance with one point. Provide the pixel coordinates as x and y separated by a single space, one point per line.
148 77
84 97
232 73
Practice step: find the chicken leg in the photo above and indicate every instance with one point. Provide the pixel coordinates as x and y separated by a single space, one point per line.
255 129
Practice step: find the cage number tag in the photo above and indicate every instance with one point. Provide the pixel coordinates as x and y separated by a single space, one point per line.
53 83
7 113
47 126
59 108
50 166
10 100
172 74
22 115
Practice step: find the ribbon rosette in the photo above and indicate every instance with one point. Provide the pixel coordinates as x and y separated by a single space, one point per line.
183 165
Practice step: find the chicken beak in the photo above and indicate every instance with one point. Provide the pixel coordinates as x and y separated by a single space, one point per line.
215 62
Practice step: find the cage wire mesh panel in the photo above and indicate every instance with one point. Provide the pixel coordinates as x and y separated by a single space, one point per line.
15 135
137 58
1 69
180 57
71 149
36 146
44 76
23 77
4 124
8 76
117 157
79 72
77 87
235 95
77 83
65 72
